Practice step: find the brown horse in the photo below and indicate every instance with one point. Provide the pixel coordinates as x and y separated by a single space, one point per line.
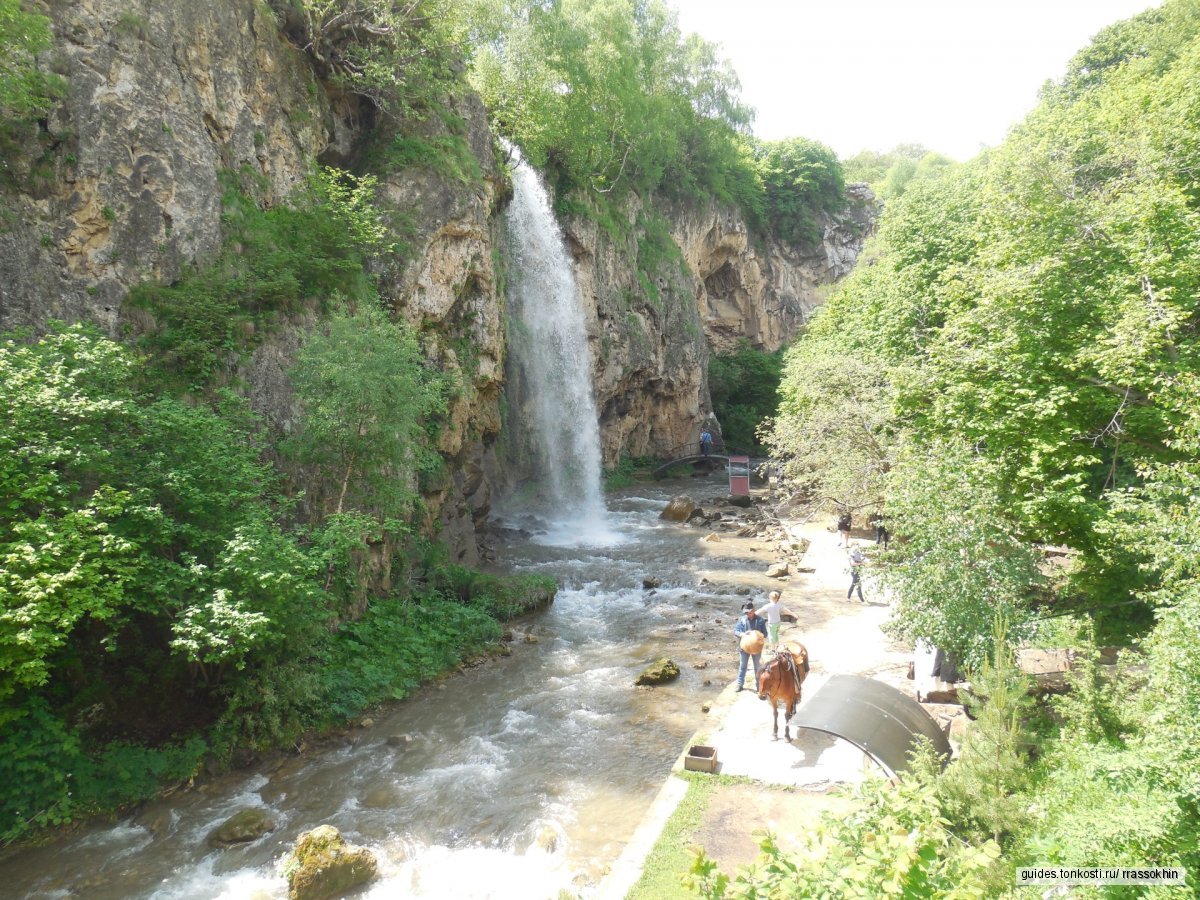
780 680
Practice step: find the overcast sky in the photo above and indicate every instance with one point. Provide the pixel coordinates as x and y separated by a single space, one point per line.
953 75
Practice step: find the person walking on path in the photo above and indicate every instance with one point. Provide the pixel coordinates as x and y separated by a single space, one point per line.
857 561
773 610
845 522
882 535
749 621
706 442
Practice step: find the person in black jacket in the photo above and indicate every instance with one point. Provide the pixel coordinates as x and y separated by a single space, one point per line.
845 523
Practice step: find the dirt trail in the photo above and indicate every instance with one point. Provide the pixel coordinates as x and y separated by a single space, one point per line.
792 780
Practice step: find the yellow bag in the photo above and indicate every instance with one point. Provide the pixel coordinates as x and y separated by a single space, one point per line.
752 642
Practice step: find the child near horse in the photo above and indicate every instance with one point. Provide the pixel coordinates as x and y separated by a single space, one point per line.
774 610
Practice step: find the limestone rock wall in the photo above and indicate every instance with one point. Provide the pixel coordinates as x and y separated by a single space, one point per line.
650 353
123 183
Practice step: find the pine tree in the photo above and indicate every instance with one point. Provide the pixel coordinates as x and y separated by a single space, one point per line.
984 785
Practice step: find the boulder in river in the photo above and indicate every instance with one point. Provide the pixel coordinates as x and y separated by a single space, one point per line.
679 509
778 570
242 827
649 583
742 500
323 865
660 672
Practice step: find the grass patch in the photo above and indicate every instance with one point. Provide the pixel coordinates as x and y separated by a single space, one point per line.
672 855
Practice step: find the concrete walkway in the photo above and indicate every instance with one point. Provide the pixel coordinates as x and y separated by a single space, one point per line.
791 780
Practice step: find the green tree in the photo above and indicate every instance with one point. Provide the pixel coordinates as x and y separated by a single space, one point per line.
801 179
744 386
894 843
609 95
986 785
962 562
402 55
367 397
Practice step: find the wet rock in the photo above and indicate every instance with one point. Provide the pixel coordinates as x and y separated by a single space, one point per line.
705 707
399 741
323 865
659 672
242 827
703 664
367 723
778 570
712 538
747 531
679 509
384 797
741 500
547 840
649 583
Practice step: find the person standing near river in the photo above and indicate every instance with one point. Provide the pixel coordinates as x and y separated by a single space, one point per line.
748 623
773 610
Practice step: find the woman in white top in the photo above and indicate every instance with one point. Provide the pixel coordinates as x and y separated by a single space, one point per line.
773 610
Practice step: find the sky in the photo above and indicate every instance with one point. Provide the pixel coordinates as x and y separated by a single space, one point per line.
953 75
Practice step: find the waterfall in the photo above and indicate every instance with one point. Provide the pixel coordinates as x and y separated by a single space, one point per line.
552 366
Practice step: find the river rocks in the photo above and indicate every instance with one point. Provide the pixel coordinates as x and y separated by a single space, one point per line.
384 797
323 865
778 570
649 583
742 500
547 840
660 672
713 537
399 741
678 510
242 827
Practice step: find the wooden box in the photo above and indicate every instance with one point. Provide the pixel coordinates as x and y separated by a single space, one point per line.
701 759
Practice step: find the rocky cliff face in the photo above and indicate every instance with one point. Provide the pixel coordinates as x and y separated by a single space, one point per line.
650 347
123 184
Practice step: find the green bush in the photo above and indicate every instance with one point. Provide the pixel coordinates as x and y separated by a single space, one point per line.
744 386
896 843
278 261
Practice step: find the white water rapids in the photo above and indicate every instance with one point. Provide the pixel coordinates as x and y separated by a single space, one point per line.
525 776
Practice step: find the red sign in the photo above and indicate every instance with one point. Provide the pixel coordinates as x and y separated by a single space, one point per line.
739 476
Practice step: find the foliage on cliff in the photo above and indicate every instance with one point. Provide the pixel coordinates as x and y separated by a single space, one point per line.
744 386
609 96
401 56
24 89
